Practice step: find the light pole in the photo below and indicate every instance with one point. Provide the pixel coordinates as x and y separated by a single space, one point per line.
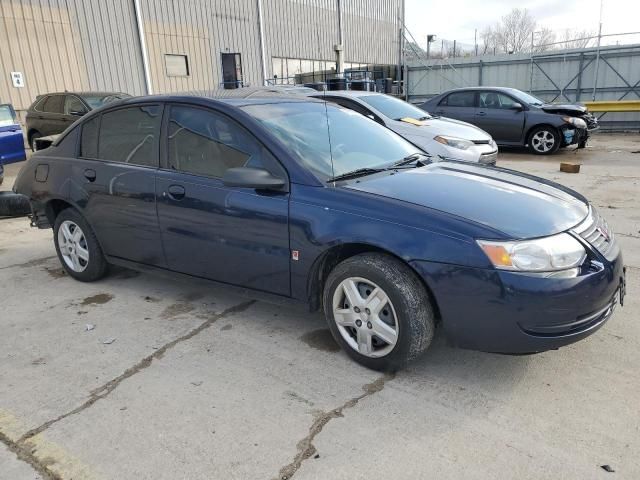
430 40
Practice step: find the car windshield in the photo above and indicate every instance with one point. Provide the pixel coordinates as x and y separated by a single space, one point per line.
330 140
394 108
96 101
6 116
528 99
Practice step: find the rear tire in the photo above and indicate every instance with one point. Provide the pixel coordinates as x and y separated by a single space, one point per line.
378 311
544 140
77 247
14 205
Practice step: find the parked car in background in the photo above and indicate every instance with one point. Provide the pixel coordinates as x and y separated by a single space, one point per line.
437 136
516 118
54 112
11 138
301 199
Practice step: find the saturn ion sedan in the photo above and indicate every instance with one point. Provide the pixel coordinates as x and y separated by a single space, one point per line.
300 199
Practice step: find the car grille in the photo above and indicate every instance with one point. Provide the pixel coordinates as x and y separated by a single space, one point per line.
596 231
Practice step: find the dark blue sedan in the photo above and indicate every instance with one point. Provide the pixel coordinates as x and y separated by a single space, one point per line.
301 199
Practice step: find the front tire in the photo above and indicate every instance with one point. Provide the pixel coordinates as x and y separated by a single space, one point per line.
378 311
77 247
544 140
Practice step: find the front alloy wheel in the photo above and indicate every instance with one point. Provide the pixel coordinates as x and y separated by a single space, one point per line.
544 141
378 310
365 317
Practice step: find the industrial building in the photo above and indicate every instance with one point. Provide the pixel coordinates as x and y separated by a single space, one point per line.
158 46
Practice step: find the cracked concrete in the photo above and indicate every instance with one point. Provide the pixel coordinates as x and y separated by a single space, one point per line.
264 393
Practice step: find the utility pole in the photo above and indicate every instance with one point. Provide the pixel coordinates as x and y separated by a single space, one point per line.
454 49
475 40
595 80
430 40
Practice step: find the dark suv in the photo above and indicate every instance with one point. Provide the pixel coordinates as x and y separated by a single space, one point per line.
54 112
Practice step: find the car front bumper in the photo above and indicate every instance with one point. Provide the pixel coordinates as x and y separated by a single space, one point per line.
507 312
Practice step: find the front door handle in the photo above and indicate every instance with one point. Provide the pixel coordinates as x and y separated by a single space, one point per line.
90 174
176 192
482 114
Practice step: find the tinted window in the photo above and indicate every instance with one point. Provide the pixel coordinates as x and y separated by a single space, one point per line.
89 140
331 140
459 99
72 104
394 107
496 100
129 135
203 142
96 101
52 104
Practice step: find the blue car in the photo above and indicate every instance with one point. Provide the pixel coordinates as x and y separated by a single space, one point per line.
299 199
11 140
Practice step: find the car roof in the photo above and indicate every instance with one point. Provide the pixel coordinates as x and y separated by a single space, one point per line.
347 93
497 89
239 100
85 94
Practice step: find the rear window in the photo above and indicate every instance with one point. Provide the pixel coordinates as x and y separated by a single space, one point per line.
52 104
89 140
459 99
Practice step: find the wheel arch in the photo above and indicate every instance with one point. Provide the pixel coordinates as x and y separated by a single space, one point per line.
326 262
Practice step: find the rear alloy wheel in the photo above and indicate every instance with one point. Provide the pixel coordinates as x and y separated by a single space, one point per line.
77 247
378 311
544 141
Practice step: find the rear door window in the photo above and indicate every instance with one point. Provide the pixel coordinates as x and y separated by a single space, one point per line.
203 142
53 104
89 139
459 99
130 135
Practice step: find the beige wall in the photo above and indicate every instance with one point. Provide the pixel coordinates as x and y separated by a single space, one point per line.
39 42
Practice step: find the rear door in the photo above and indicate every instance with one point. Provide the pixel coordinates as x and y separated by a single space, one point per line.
51 115
460 105
497 115
229 234
11 140
114 181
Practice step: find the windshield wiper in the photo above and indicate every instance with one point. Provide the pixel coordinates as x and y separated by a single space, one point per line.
403 163
360 172
410 159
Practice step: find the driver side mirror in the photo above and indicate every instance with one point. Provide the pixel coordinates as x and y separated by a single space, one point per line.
517 106
249 177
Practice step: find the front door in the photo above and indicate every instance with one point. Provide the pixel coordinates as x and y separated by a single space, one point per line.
497 115
114 182
229 234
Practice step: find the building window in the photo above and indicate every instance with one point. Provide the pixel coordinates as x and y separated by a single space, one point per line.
176 65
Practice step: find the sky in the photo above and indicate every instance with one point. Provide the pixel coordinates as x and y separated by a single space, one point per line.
457 19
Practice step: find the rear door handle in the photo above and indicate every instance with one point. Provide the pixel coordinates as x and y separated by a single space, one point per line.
482 114
90 174
176 192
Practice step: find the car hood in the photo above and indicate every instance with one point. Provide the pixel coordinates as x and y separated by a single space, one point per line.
518 205
566 108
439 126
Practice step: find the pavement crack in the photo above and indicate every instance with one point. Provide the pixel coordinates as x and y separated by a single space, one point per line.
306 449
24 454
111 385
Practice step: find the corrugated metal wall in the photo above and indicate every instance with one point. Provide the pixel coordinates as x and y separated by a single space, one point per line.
94 45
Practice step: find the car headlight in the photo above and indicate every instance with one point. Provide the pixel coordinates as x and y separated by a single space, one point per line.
576 122
454 142
549 254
